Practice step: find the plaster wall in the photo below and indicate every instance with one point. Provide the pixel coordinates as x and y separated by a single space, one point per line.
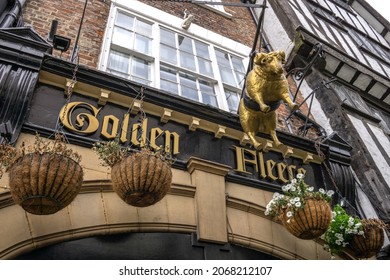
372 147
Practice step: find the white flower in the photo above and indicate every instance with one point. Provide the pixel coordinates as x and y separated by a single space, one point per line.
293 188
276 195
321 190
330 193
300 176
297 199
298 204
289 214
293 181
310 189
284 188
358 225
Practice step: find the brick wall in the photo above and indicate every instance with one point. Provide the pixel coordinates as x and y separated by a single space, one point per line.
40 13
240 27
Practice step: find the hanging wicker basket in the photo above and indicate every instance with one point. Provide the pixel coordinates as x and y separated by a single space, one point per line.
368 245
45 183
309 222
141 179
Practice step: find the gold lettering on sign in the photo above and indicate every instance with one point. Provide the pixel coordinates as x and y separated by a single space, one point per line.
138 133
125 125
88 123
242 160
156 132
82 119
110 127
270 167
265 169
281 169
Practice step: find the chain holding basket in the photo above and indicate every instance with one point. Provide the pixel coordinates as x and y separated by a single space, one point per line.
142 177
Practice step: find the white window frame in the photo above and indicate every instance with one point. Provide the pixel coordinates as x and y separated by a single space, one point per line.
161 19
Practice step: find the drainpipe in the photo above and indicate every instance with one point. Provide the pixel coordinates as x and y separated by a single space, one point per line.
263 37
13 15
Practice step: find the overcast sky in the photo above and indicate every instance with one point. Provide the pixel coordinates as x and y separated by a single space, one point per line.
382 6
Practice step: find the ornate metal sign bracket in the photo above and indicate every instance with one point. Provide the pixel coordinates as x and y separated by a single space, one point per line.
299 74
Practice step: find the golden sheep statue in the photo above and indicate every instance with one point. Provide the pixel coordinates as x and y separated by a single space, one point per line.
266 86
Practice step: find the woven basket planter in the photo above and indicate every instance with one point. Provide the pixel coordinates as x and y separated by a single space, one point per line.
368 244
309 222
141 179
45 183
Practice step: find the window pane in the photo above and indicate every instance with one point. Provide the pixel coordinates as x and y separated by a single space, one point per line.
142 44
188 87
167 37
232 100
144 28
189 93
187 61
168 54
169 86
122 37
168 74
187 80
238 65
168 80
205 67
140 68
227 76
208 95
124 21
185 44
222 58
140 80
240 78
119 74
202 50
118 61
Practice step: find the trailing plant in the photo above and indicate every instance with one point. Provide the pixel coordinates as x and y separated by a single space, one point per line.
341 230
112 152
10 154
294 197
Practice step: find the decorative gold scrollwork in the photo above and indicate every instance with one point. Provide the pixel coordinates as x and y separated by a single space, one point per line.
85 123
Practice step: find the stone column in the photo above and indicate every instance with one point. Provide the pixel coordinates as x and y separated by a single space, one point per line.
210 199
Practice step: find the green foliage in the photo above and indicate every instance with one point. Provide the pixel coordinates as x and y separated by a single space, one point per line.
111 152
341 230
